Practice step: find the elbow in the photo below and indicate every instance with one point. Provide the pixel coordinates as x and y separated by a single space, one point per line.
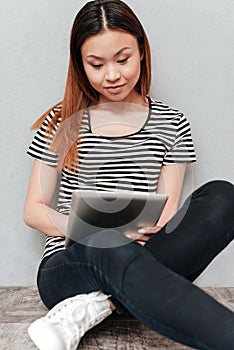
28 217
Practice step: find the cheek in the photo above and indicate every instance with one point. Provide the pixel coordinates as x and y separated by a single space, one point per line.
133 72
93 77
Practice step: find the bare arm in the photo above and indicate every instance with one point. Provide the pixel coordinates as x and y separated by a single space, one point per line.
37 211
171 182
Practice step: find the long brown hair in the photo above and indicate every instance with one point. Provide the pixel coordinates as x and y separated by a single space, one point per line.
96 16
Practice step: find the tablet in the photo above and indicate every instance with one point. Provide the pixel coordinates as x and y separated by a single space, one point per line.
124 211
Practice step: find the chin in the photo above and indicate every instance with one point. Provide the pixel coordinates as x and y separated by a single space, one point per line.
117 98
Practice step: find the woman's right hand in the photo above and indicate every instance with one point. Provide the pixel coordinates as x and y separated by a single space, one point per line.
143 234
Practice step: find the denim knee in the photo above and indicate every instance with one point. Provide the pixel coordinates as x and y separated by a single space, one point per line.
219 196
220 190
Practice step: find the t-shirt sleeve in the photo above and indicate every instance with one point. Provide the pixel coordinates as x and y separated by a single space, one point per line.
182 149
40 147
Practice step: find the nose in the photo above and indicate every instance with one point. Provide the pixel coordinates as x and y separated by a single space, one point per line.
112 73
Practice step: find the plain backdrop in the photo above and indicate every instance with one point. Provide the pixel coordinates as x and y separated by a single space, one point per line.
193 52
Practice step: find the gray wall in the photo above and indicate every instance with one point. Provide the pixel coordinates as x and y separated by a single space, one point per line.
192 47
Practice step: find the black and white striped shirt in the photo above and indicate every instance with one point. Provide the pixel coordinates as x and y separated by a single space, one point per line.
124 162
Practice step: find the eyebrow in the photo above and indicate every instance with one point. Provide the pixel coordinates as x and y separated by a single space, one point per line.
116 54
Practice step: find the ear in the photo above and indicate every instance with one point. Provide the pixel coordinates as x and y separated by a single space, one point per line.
142 54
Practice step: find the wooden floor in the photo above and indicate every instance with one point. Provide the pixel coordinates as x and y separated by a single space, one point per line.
20 306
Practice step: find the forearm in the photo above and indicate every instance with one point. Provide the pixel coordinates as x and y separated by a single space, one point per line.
169 210
170 183
46 220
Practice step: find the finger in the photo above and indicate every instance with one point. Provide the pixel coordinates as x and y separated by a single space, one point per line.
141 242
133 235
149 230
144 238
146 230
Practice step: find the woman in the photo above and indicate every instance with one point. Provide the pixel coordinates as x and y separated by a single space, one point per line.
108 134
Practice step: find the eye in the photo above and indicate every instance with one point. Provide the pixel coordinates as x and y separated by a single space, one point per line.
123 60
97 66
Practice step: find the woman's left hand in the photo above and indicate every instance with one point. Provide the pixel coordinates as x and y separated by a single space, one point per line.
143 234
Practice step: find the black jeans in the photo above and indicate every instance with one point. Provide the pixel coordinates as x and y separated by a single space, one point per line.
154 282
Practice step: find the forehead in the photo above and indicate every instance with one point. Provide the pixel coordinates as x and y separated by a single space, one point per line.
110 41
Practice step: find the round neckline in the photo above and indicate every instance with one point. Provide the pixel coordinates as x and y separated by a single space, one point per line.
121 136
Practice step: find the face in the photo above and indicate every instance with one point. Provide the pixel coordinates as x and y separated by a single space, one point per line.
112 62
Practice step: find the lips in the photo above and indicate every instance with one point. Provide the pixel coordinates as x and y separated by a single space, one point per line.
115 89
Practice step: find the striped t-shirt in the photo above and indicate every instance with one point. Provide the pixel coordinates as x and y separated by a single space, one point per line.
131 162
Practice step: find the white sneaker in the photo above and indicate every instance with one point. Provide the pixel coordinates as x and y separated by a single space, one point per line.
65 324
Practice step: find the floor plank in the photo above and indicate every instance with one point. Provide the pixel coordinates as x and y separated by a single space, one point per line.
19 306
